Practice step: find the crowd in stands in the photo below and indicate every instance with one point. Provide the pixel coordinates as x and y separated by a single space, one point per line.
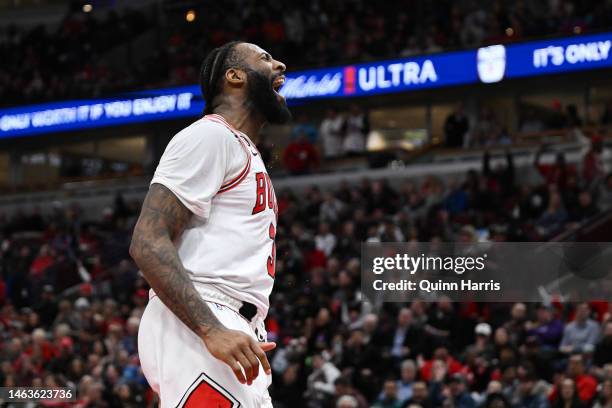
71 59
484 129
71 299
48 63
339 134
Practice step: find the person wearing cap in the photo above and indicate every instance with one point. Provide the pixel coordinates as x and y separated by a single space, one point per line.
482 346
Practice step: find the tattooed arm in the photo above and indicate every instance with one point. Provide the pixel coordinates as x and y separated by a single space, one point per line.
162 220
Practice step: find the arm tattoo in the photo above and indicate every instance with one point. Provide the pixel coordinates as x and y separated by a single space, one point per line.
162 220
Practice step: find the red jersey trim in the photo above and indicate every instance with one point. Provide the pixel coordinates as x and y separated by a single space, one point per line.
245 171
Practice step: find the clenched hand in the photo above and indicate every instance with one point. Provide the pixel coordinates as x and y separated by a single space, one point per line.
239 351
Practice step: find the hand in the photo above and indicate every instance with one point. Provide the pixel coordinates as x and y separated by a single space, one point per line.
239 351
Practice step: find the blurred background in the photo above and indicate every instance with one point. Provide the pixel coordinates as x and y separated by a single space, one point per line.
414 120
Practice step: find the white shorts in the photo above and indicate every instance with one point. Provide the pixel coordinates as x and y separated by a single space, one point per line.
181 370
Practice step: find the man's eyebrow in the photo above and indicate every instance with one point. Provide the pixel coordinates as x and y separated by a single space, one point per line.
266 54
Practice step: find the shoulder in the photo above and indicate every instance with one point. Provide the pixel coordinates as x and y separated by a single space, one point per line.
207 130
204 134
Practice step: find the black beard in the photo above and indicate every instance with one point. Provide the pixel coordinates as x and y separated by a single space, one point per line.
263 99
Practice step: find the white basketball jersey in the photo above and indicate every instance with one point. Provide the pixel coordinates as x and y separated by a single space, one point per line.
218 174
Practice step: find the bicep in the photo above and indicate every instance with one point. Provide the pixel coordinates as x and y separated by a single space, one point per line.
162 213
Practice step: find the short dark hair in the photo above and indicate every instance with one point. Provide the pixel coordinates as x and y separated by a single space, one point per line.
213 67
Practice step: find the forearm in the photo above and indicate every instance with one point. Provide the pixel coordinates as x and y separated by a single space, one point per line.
162 268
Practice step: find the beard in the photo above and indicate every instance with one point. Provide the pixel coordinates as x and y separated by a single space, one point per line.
262 98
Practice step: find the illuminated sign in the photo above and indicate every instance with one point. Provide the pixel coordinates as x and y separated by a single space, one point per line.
491 63
382 77
71 115
559 56
488 64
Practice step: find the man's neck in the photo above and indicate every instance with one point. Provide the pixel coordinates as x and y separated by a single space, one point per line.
241 119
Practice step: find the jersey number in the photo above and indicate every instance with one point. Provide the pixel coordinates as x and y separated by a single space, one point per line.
272 257
265 198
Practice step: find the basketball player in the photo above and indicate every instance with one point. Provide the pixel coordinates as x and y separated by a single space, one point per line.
205 242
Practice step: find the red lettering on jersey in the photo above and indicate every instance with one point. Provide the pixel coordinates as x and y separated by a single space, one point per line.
260 199
272 257
265 192
270 192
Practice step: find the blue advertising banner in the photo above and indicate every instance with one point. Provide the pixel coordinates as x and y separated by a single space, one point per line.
83 114
488 64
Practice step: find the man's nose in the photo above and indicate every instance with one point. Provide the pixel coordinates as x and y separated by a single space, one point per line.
279 66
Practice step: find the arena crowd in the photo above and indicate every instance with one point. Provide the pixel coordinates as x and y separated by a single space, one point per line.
71 300
103 52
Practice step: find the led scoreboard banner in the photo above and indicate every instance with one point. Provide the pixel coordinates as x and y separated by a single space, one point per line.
488 64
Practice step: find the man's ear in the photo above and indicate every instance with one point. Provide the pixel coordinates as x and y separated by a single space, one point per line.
235 77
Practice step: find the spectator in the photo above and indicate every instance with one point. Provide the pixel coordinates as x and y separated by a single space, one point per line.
401 340
485 130
593 169
496 400
547 328
321 380
586 385
344 387
553 219
347 401
459 392
567 397
356 128
300 156
325 240
331 133
456 127
482 346
408 371
585 208
604 399
420 396
603 349
605 194
304 127
389 397
331 208
557 173
531 396
581 335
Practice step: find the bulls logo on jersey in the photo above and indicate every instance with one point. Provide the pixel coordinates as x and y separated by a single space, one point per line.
265 197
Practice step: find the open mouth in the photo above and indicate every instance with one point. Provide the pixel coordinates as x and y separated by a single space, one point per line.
278 83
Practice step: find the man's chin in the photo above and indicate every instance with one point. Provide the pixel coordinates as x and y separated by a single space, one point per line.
281 113
281 117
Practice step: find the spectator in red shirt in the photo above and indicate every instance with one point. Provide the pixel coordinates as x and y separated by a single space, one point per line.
442 354
41 262
300 156
586 385
556 173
